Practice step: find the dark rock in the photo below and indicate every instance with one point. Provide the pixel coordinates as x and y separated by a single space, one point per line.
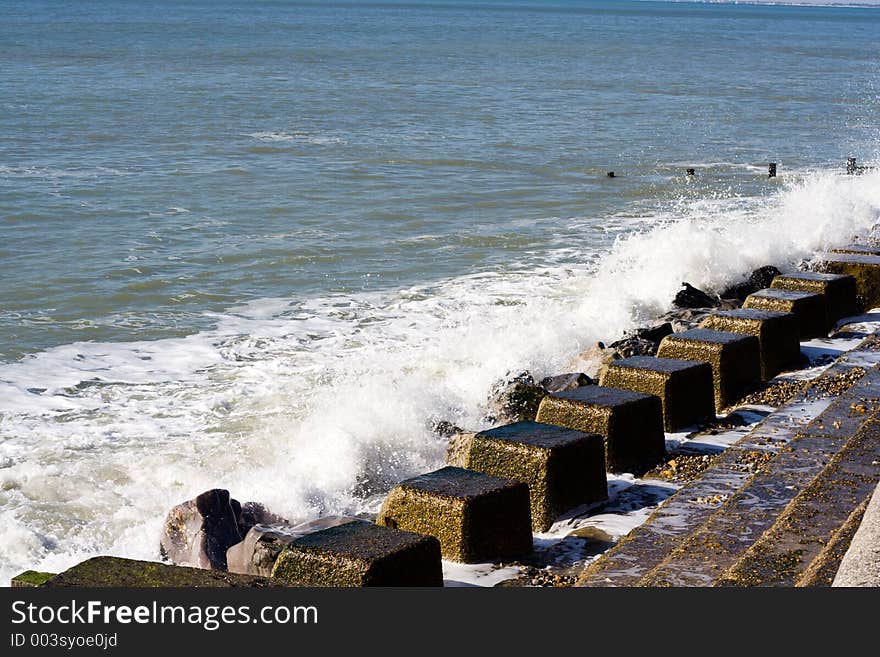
757 280
655 333
117 572
254 513
562 382
515 399
198 532
634 346
691 297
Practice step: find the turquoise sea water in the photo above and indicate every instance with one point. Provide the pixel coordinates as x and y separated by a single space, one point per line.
245 243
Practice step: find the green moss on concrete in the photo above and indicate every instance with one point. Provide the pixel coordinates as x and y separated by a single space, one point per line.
684 387
30 578
118 572
735 360
475 516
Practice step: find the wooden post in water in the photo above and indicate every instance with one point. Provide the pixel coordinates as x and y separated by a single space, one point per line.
692 172
610 174
851 167
771 170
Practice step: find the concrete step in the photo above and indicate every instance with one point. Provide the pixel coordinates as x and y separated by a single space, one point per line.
702 531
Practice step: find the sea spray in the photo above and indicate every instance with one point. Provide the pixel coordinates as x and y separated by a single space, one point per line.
319 405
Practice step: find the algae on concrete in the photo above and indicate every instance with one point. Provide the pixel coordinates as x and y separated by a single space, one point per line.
735 360
630 422
30 578
778 335
475 516
808 307
839 291
360 554
684 386
563 468
118 572
864 268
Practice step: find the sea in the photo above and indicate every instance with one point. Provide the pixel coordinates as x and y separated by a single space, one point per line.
267 245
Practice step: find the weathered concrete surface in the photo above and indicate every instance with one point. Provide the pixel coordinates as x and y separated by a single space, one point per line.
808 307
458 447
786 551
684 387
360 554
29 579
860 565
475 516
711 522
864 268
630 422
256 554
859 249
117 572
839 291
735 359
563 468
778 335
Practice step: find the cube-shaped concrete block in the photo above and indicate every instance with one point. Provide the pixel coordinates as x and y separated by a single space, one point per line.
808 307
29 579
778 335
475 516
360 554
684 386
563 468
858 249
630 422
735 360
839 291
864 268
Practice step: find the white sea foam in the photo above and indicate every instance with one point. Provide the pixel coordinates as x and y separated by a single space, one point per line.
318 405
297 136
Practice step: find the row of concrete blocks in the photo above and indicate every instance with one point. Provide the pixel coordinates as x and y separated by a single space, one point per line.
519 478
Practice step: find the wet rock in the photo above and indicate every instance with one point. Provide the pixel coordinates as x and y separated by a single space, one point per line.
445 429
199 531
691 297
254 513
757 280
633 346
655 333
458 448
562 382
515 399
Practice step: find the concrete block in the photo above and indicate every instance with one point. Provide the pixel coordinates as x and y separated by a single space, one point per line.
778 335
735 360
116 572
864 268
630 422
563 468
839 291
360 554
808 307
475 516
684 386
29 579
